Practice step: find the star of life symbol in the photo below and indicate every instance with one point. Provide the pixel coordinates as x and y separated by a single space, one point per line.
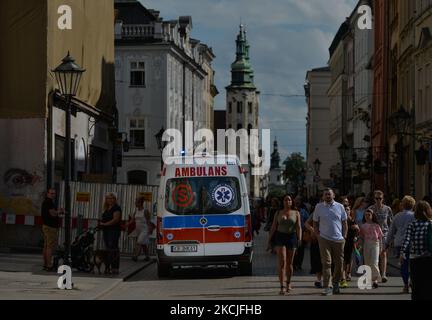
223 195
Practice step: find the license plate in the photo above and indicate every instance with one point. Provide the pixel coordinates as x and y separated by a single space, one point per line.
184 248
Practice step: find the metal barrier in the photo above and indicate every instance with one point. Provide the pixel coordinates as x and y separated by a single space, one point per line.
87 208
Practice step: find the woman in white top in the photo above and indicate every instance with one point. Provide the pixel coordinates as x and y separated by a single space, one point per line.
141 230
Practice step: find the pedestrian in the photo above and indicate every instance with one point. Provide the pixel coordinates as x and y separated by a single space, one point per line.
396 235
330 226
385 216
258 215
372 236
144 237
287 232
353 231
345 201
51 222
111 228
396 206
304 215
315 257
275 207
418 242
359 209
137 218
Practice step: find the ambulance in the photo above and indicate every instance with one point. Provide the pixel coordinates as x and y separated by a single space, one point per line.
203 215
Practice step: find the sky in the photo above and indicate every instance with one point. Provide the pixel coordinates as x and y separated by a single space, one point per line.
286 37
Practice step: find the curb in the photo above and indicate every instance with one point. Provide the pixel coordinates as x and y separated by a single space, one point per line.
130 275
110 288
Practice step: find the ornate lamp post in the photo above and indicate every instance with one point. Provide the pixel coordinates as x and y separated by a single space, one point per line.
343 150
68 75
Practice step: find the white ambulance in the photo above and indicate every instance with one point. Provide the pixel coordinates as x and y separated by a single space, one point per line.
203 215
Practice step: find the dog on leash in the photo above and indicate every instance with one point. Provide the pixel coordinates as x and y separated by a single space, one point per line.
101 257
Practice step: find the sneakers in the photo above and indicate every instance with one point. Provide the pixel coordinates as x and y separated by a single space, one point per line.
405 290
384 279
318 284
343 284
375 285
336 288
327 292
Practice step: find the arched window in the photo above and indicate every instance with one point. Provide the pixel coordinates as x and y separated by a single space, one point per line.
137 177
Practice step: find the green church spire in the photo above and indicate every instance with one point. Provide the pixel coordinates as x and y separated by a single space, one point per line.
242 74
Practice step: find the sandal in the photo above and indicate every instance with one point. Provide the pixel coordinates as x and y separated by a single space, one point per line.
283 291
289 287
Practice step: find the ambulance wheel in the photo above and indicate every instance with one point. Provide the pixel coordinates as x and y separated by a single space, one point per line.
163 270
245 269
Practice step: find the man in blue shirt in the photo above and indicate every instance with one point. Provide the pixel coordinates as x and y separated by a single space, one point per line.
330 225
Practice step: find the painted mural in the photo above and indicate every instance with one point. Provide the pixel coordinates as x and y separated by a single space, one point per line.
22 192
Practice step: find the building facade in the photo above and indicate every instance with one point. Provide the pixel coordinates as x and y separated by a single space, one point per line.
318 130
32 117
163 79
363 98
337 101
242 98
423 90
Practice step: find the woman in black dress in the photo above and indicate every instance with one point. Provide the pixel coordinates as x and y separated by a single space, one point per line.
111 221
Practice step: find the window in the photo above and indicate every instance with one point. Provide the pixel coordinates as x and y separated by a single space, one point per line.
230 107
191 196
239 107
137 133
250 107
137 177
137 75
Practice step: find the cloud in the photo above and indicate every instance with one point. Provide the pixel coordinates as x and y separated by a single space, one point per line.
287 38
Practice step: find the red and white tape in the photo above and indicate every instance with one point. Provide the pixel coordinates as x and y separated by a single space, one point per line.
12 219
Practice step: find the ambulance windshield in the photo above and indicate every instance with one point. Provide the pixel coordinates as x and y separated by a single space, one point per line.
209 195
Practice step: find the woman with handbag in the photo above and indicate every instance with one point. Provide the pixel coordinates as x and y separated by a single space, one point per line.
136 226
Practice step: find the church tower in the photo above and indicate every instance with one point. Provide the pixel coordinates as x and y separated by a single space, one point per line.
243 99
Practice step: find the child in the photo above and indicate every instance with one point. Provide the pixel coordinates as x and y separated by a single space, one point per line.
372 236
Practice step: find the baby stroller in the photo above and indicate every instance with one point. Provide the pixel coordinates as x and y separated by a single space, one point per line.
81 251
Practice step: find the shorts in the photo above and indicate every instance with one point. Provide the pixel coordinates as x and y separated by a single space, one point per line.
50 237
289 241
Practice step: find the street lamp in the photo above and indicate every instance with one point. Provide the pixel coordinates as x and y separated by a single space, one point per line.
343 150
317 165
68 76
400 122
161 144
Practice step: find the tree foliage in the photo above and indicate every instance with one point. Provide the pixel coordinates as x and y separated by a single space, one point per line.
295 166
